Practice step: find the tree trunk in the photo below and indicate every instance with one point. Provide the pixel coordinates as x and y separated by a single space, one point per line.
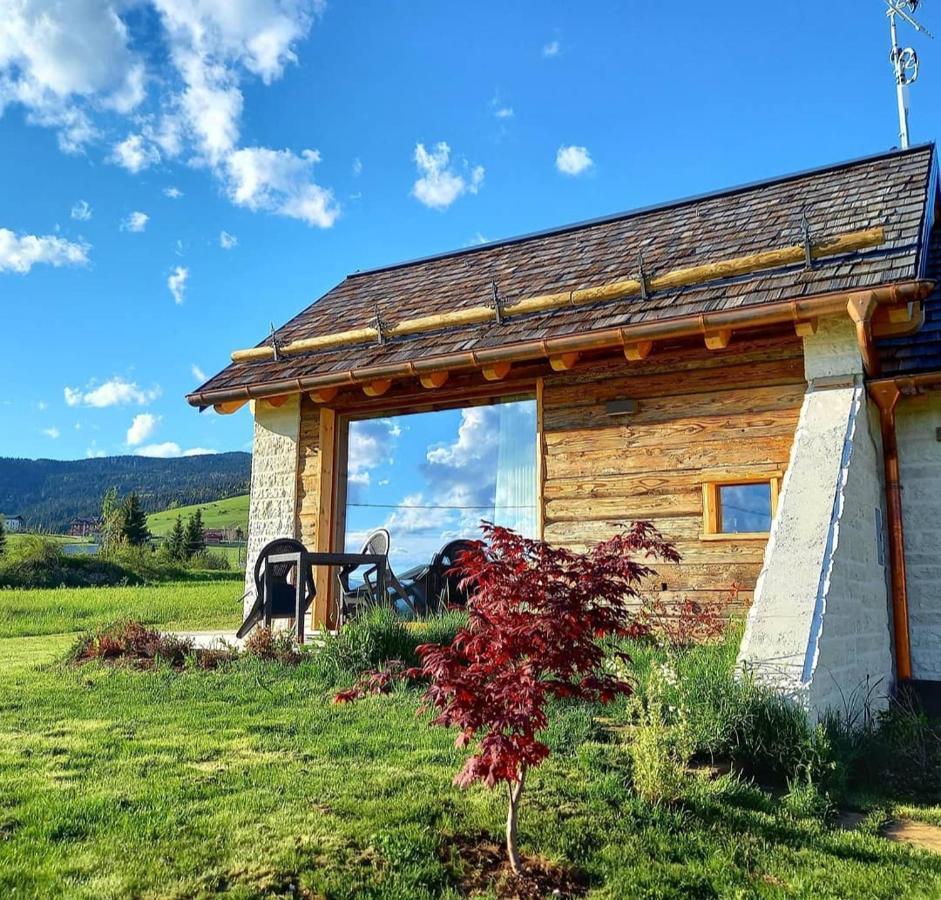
515 790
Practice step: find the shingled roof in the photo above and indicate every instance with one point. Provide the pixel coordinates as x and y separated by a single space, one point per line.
890 190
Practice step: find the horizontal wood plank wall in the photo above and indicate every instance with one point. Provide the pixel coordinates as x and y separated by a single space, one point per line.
701 415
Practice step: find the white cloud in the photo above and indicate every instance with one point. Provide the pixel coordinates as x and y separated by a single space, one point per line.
177 283
504 112
136 221
439 184
42 406
19 253
52 432
61 61
198 373
573 160
227 241
114 392
141 428
476 240
174 193
81 211
477 437
75 67
357 167
134 154
170 450
279 181
94 452
553 48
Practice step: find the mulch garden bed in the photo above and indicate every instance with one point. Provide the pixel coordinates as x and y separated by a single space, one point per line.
479 865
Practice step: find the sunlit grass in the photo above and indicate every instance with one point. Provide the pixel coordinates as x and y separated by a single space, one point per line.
249 781
180 605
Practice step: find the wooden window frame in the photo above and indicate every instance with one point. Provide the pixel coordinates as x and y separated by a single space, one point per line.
712 506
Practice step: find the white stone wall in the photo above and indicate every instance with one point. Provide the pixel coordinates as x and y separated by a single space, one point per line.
917 421
273 505
818 628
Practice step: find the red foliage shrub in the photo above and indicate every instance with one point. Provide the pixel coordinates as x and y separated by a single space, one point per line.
134 642
684 624
379 682
534 632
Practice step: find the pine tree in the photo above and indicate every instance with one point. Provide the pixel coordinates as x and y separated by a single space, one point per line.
195 537
134 528
112 519
176 541
3 537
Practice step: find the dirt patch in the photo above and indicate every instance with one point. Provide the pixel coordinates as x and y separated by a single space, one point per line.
480 866
918 834
849 820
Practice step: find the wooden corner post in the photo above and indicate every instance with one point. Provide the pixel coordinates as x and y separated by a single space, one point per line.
326 511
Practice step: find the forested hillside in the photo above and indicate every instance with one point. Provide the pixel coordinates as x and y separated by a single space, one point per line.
49 493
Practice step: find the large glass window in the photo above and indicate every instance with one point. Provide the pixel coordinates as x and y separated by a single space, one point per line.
430 478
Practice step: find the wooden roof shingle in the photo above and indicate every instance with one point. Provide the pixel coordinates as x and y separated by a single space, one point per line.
890 190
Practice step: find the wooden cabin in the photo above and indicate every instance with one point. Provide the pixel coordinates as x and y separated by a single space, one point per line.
776 342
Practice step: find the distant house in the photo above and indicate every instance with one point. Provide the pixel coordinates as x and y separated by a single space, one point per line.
84 527
214 535
13 523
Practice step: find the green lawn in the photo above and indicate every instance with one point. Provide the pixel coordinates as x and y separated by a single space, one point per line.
220 514
248 781
180 605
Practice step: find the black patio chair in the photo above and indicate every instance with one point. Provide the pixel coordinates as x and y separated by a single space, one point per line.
281 602
376 587
441 585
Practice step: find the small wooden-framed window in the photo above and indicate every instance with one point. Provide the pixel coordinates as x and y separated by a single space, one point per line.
739 508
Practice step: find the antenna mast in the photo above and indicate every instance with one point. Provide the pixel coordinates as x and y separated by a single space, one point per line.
904 60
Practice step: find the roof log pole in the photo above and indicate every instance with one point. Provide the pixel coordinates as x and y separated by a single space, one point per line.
692 275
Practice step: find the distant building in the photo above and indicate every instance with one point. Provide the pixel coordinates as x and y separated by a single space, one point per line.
13 523
214 535
84 527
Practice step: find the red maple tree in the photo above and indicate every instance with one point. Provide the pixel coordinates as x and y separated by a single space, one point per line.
535 629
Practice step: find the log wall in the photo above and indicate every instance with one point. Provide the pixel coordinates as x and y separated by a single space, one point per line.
702 416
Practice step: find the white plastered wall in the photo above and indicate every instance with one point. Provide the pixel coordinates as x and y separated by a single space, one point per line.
273 503
819 626
917 421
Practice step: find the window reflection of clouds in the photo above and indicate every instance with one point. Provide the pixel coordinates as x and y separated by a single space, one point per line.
745 508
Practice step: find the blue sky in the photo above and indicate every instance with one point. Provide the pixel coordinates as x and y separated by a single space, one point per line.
134 133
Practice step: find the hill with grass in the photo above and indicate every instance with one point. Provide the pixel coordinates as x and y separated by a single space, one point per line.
221 514
49 493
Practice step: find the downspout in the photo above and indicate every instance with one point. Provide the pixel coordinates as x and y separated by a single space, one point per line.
886 394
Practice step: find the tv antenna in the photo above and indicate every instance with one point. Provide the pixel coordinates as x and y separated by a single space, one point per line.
904 60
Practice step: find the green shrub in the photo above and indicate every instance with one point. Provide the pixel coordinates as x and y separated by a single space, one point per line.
376 637
210 561
661 745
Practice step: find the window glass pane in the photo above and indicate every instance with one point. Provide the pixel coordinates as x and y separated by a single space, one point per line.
429 478
745 507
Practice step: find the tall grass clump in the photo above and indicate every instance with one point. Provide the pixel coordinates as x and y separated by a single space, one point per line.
377 637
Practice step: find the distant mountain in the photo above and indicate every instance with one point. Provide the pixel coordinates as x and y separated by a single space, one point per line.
49 493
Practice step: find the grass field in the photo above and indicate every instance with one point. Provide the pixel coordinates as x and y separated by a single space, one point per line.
219 514
178 605
248 781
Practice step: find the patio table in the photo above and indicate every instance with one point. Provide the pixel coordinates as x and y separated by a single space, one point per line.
317 558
